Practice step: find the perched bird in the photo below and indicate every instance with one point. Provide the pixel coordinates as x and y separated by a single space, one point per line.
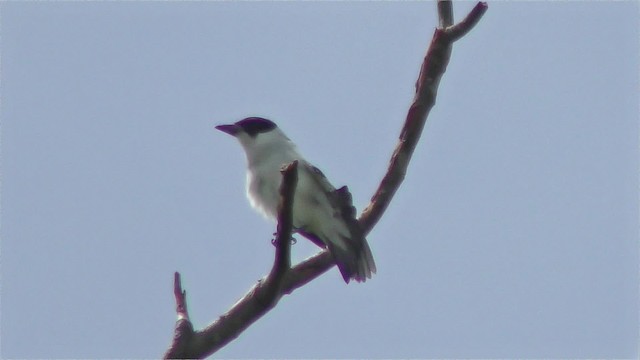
321 213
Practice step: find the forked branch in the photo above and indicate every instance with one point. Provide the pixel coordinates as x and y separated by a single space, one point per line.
190 344
433 67
282 279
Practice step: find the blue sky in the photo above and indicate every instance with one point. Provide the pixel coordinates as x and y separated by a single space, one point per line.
515 233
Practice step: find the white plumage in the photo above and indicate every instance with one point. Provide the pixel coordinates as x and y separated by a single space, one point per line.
320 212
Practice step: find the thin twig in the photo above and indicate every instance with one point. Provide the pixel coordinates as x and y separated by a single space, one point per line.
183 333
181 297
461 29
445 13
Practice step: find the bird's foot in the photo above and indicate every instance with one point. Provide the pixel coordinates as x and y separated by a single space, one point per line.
273 241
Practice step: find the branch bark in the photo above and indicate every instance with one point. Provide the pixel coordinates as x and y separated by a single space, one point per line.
282 279
190 344
433 67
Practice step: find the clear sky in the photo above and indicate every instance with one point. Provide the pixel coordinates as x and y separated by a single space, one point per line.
515 233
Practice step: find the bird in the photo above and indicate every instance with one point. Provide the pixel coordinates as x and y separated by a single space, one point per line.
321 213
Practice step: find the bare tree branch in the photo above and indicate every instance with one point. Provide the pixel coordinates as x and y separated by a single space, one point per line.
445 13
284 280
433 67
183 332
263 297
461 29
282 262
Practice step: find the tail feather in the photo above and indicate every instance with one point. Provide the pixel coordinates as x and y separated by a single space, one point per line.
354 265
339 231
363 264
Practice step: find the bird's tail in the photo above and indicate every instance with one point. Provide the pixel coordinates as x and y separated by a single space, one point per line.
345 239
358 265
366 264
357 261
354 263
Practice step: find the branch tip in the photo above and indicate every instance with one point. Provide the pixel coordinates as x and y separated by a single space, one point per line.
457 31
181 298
445 13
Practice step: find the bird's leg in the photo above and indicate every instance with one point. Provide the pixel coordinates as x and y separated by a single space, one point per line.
273 241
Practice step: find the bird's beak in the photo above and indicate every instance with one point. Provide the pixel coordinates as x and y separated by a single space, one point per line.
231 129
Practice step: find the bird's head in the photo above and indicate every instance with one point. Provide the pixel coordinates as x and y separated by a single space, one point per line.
251 126
257 135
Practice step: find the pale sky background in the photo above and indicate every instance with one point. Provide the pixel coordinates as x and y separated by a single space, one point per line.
515 233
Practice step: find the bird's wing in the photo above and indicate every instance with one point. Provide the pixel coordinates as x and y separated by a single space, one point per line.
341 203
342 235
345 240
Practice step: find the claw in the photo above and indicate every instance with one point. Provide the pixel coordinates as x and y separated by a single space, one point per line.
293 240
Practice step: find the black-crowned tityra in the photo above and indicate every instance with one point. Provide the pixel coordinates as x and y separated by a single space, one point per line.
320 212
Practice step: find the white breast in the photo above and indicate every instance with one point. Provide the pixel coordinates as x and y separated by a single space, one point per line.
262 190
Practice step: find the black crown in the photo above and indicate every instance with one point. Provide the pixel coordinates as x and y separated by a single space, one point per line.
256 125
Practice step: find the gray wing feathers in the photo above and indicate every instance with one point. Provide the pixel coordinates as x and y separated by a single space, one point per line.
356 261
364 263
